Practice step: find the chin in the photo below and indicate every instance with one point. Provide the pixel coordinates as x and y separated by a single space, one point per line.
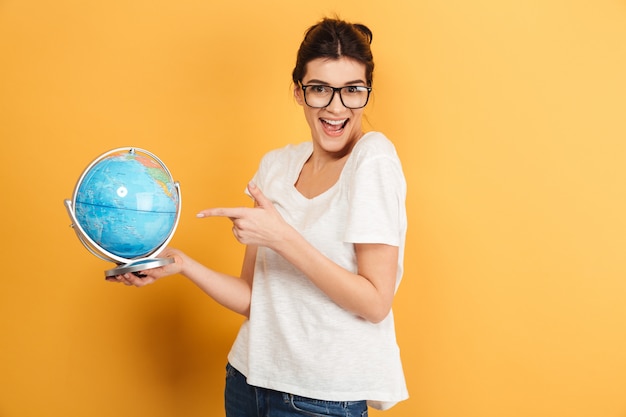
337 144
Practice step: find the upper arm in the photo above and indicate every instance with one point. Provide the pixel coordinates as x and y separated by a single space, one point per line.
378 263
247 268
249 259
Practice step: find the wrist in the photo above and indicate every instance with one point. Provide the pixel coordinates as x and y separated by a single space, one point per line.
289 239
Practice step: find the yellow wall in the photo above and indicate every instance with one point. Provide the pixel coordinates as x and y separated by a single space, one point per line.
509 117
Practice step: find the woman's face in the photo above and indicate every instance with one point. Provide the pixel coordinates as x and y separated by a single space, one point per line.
334 128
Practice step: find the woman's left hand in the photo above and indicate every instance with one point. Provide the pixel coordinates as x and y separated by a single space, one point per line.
261 226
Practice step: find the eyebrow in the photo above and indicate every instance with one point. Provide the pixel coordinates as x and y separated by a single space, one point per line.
353 82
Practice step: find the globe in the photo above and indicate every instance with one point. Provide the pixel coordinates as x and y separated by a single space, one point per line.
125 208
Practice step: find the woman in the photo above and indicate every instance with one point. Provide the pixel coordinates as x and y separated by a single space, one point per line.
325 248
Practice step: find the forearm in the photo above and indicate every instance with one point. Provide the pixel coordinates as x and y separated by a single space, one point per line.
231 292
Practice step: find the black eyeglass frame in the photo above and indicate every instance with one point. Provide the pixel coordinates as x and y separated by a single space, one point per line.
332 96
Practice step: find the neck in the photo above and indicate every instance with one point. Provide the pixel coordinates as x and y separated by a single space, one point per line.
321 158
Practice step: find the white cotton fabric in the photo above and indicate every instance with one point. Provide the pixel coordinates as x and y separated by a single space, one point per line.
297 340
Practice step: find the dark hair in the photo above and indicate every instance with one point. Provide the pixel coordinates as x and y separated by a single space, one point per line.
333 39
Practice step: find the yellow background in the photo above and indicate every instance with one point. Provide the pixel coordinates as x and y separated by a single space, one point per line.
509 117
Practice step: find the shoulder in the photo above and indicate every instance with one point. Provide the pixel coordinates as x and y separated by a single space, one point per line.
374 144
374 147
286 153
374 160
284 158
282 163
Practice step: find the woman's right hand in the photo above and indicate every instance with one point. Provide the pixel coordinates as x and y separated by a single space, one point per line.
149 276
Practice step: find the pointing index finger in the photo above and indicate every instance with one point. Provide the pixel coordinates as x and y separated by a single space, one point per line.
230 212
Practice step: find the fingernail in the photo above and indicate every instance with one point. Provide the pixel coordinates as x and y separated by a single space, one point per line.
252 185
200 215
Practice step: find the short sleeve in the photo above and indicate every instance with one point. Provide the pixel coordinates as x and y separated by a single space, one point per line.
377 199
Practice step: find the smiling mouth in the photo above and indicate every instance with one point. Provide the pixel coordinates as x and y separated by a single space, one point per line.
334 126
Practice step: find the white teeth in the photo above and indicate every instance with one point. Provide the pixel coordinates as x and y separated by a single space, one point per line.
334 122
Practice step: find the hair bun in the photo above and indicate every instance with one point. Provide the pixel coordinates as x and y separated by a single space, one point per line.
365 30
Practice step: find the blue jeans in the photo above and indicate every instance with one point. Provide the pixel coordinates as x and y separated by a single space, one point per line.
243 400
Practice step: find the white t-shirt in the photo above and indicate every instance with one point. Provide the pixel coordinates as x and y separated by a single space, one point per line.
297 339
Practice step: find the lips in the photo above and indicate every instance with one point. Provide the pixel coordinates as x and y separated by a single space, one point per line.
333 127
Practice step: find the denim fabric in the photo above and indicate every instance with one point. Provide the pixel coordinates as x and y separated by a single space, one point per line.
243 400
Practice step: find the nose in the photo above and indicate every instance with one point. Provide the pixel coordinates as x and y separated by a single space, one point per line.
335 105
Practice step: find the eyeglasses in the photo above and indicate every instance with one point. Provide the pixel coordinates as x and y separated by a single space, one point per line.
320 96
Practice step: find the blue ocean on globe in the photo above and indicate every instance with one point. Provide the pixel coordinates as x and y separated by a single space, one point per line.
127 204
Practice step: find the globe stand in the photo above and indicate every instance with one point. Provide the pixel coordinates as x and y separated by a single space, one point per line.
125 265
136 267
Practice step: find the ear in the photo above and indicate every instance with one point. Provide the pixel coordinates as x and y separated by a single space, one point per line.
298 94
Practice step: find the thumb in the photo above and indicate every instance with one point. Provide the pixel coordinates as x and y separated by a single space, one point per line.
258 196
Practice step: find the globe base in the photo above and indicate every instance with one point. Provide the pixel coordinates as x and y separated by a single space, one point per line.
135 267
